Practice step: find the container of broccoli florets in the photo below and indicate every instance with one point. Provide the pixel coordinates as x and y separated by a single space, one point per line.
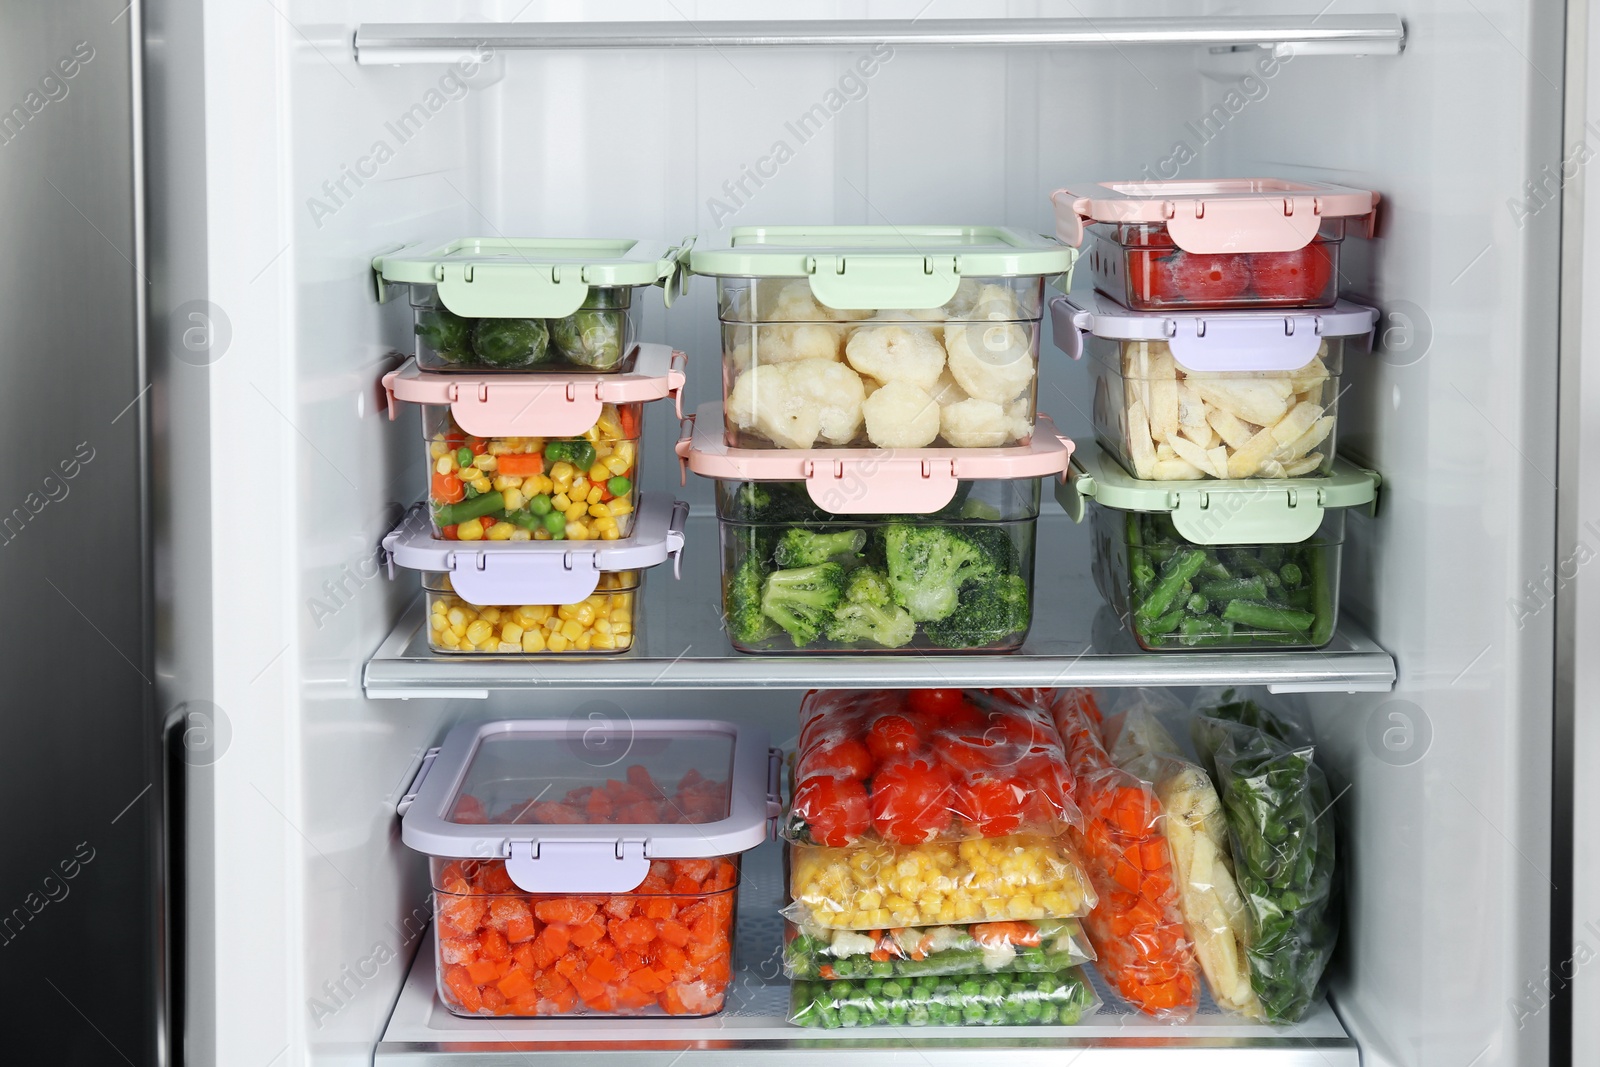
863 551
528 305
1243 563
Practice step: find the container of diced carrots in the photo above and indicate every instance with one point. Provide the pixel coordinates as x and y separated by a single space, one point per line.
588 867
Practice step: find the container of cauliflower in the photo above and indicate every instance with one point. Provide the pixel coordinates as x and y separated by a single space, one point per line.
1243 394
881 337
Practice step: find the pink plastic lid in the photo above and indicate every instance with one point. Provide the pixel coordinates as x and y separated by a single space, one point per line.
870 481
539 405
1208 216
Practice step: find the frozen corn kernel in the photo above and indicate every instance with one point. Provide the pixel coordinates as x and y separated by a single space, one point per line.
485 462
471 530
558 642
562 471
560 502
445 465
501 531
479 631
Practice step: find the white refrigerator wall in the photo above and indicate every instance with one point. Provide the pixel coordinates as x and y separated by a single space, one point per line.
300 892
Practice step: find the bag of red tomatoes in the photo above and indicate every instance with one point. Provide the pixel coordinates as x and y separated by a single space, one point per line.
913 766
1136 927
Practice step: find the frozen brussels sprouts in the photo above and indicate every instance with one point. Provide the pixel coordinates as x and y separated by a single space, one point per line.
446 333
511 342
589 338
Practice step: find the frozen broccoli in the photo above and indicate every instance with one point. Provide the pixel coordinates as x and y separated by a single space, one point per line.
446 333
511 342
868 585
928 565
994 543
589 338
888 625
988 612
802 599
747 623
806 548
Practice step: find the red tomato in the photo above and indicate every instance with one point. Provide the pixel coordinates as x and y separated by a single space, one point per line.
996 805
835 810
911 801
971 753
938 705
1298 277
1017 729
891 736
1148 283
1211 280
841 759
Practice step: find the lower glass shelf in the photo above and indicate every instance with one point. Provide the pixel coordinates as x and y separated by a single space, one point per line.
752 1029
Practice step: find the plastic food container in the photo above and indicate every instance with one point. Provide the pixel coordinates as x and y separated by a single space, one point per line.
1226 564
528 305
1229 394
585 866
536 597
880 336
823 551
1197 243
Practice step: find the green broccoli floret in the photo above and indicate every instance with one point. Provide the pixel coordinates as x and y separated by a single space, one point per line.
806 548
802 599
994 543
511 342
928 565
867 585
747 623
750 500
855 622
988 612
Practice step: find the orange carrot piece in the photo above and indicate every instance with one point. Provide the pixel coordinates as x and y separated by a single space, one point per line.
520 464
515 984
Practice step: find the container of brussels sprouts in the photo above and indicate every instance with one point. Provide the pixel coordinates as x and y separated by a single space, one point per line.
528 305
858 551
1242 563
1059 998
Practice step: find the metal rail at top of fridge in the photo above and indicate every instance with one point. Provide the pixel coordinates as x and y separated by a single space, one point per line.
1376 34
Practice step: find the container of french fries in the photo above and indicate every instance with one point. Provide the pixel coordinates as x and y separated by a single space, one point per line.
1228 395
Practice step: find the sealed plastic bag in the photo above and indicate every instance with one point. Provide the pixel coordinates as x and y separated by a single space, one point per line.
1015 999
915 951
1197 835
1280 826
1142 947
911 767
876 885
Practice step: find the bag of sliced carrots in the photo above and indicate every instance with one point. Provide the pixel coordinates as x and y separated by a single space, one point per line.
1137 929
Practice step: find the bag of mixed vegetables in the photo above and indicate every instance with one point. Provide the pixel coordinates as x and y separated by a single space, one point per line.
1142 947
912 952
1197 834
1009 999
1279 811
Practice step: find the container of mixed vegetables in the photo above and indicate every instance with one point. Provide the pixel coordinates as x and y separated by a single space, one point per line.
1248 563
880 336
527 305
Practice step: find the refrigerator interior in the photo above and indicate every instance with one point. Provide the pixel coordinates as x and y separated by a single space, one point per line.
280 167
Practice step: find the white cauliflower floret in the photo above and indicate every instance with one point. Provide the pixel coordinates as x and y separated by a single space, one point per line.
991 361
946 391
973 423
793 404
897 354
847 943
791 300
996 303
787 342
900 415
966 296
834 391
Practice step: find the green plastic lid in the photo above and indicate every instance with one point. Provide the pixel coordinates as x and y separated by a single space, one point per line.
502 278
873 267
1238 511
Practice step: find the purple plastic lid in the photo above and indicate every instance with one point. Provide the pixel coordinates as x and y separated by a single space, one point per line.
1259 340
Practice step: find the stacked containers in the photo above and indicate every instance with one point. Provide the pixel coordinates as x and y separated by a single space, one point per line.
588 868
1217 342
529 451
931 878
878 418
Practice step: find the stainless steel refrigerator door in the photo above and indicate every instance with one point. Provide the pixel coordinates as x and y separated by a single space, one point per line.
77 763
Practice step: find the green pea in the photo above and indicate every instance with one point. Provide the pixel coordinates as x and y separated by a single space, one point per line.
540 505
556 523
619 485
463 456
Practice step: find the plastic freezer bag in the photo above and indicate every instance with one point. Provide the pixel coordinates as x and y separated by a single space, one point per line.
910 767
877 885
1197 835
1279 811
916 951
1142 947
1060 998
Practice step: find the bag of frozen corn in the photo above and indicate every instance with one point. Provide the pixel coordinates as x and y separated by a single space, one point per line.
1197 835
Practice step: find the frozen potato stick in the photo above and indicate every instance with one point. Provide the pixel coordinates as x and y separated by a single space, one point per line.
1289 428
1247 460
1229 427
1307 441
1164 452
1163 393
1192 416
1311 376
1176 470
1262 401
1219 460
1304 465
1195 455
1139 444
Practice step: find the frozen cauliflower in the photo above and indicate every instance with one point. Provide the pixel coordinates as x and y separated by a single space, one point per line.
945 390
794 404
964 300
788 342
897 354
791 300
997 303
990 360
974 423
900 415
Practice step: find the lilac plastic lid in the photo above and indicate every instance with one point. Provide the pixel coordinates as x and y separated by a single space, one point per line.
1256 340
